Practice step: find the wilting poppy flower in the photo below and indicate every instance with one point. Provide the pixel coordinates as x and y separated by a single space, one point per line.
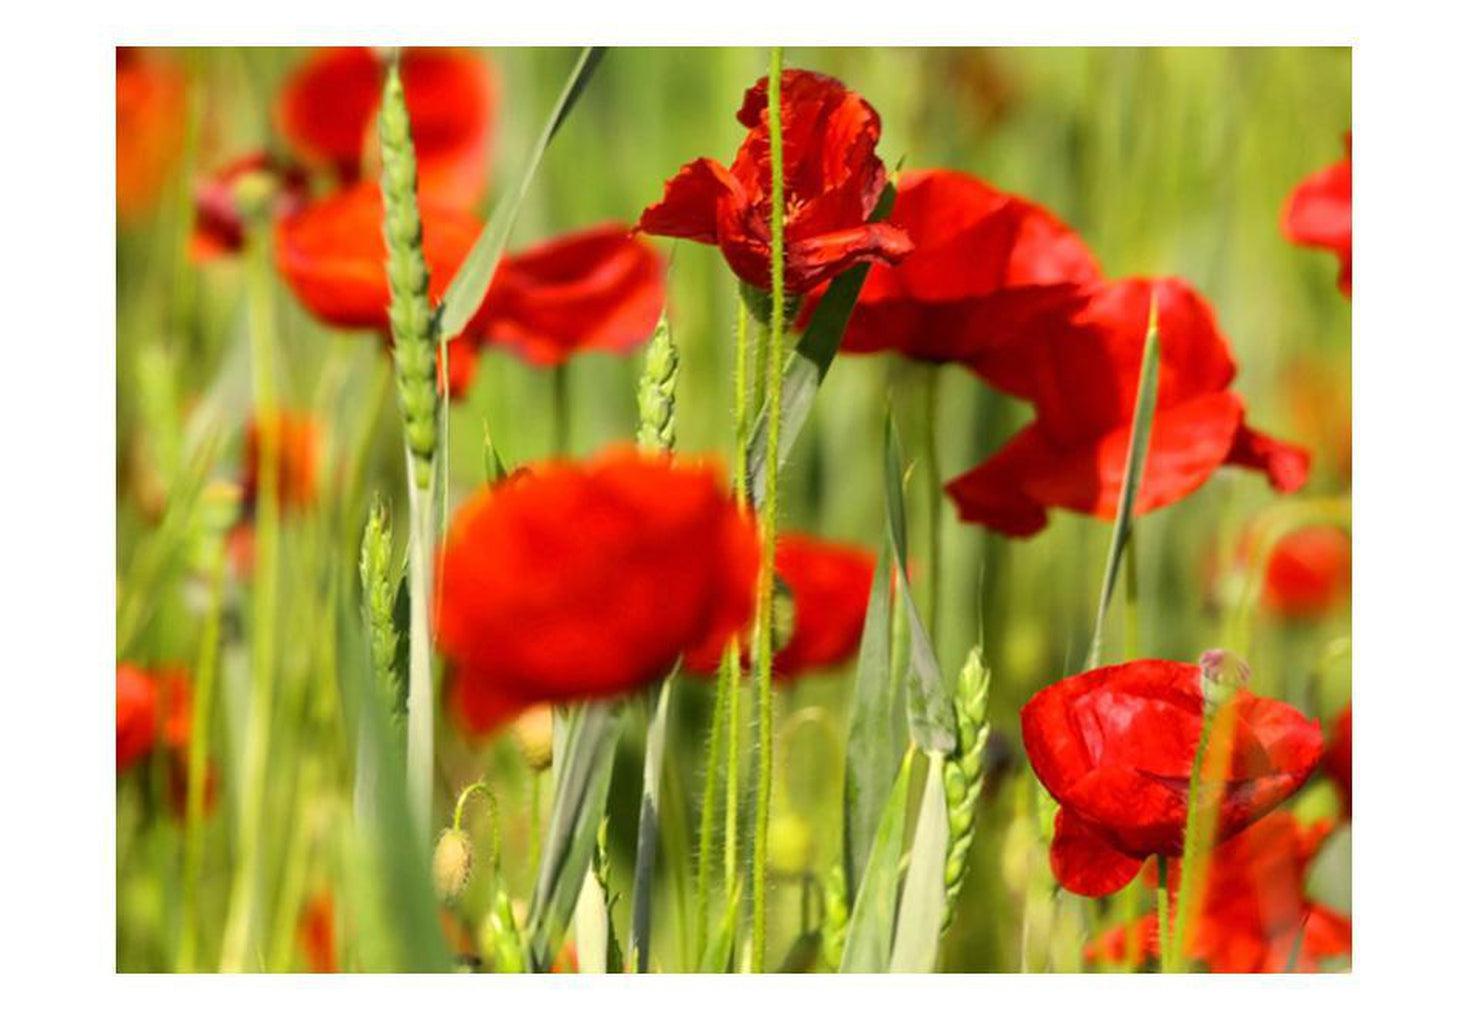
1318 214
219 227
297 443
1309 572
327 113
599 289
1115 747
587 580
828 584
1079 367
1337 760
150 128
316 932
332 255
1255 915
980 259
833 179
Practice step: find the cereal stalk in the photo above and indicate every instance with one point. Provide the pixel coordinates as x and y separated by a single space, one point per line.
963 777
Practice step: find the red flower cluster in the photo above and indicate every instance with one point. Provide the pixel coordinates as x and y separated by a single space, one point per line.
1115 747
1309 572
981 260
150 123
588 580
833 179
1255 911
1079 367
828 584
327 113
1318 214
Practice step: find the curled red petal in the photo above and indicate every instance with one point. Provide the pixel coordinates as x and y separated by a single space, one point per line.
690 203
1286 464
993 493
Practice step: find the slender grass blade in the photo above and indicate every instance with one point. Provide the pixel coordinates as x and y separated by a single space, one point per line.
924 895
869 938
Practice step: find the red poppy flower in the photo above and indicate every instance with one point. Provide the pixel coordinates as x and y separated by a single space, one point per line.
587 580
1309 572
1079 367
328 110
150 128
297 444
1255 911
316 932
594 289
833 180
1115 747
1337 760
828 583
137 715
219 229
1318 214
981 258
332 255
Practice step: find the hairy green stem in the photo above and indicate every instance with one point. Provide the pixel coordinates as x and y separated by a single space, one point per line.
769 509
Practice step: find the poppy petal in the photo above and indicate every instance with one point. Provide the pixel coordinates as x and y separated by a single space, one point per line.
1286 465
690 203
993 494
1084 863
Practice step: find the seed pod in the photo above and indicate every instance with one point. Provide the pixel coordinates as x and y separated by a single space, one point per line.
453 860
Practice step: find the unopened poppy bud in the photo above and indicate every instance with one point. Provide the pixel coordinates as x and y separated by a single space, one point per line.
1223 672
453 859
790 844
254 192
533 730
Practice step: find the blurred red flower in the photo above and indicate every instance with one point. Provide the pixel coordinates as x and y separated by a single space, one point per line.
828 583
219 227
151 99
598 289
981 259
332 255
327 112
1337 760
137 715
833 179
316 932
1309 572
1079 367
1255 910
1318 214
1115 747
297 442
587 580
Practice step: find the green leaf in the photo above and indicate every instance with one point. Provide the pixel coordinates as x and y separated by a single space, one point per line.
924 894
1131 479
397 925
647 828
876 740
869 939
809 363
494 467
467 289
718 956
585 773
929 703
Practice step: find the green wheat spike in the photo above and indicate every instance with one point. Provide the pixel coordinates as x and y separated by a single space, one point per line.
655 391
379 592
962 775
414 323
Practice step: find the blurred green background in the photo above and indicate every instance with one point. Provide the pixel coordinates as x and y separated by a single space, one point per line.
1167 161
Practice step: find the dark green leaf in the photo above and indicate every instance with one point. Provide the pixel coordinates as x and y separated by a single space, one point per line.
585 773
873 914
467 289
1131 479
